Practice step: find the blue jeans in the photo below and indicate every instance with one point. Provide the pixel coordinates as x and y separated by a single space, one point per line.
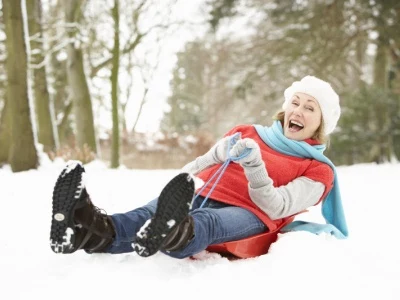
214 223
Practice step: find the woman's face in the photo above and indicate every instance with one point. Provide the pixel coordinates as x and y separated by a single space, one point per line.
302 117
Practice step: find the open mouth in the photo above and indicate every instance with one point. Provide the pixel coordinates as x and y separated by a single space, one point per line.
295 126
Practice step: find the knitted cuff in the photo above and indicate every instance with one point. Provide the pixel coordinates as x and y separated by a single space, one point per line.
257 176
205 161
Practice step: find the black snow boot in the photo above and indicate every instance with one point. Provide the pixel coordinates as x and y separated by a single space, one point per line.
168 223
76 223
180 236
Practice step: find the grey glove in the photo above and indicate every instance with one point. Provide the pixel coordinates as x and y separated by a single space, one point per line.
220 149
216 155
253 159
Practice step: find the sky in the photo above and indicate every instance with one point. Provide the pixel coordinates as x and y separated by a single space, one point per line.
189 11
298 266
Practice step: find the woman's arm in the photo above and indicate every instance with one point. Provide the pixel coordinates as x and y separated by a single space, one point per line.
282 201
216 155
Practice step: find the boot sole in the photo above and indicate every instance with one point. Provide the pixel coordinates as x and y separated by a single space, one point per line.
67 191
173 206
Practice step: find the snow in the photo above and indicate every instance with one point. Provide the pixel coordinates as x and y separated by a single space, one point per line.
299 265
66 240
71 165
171 223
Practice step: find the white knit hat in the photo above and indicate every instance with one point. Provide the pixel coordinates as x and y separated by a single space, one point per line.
325 95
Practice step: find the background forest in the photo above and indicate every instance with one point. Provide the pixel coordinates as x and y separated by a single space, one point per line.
71 71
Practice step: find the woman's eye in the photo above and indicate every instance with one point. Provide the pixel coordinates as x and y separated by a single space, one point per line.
295 103
310 108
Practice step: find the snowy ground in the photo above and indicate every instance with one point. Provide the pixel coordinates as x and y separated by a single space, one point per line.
298 266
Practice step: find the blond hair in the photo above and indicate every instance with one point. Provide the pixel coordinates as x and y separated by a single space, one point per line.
319 134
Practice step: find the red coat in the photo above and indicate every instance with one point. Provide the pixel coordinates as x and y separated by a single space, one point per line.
282 169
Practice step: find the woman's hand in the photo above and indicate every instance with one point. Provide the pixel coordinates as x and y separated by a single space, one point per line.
218 154
250 160
220 149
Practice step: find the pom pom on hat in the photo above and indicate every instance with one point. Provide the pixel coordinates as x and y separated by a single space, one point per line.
325 95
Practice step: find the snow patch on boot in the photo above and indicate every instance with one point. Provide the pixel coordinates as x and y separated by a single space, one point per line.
79 188
171 223
66 244
142 233
139 249
71 165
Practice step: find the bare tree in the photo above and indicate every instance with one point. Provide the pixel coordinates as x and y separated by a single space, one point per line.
114 89
23 154
4 119
78 86
102 57
47 134
147 71
5 136
55 37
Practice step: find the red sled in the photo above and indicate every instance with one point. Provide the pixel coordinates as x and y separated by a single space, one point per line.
249 247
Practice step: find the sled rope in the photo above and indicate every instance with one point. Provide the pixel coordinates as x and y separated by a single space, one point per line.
222 168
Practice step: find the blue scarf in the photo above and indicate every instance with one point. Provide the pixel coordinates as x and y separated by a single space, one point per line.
332 208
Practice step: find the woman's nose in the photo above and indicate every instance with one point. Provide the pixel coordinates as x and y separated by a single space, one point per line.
297 111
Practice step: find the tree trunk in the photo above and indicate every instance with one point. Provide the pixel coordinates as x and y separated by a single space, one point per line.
78 87
47 134
23 154
114 89
5 137
57 70
394 86
141 105
381 74
380 65
64 126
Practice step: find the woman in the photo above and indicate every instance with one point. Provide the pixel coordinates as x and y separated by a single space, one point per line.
277 172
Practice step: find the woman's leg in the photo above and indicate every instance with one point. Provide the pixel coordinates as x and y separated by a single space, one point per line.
128 224
78 224
220 224
170 207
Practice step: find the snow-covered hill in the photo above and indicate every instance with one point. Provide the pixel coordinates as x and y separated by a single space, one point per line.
298 266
